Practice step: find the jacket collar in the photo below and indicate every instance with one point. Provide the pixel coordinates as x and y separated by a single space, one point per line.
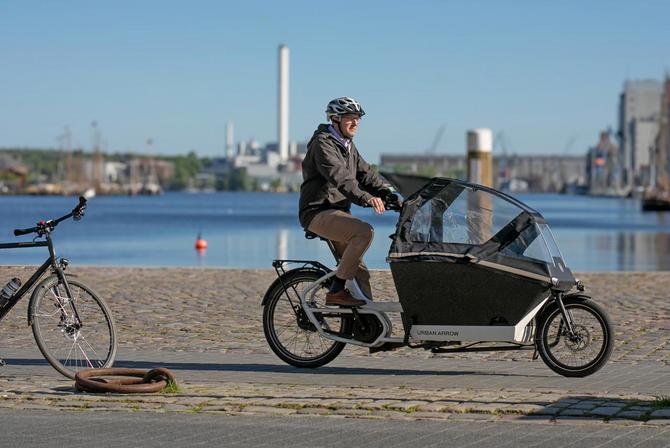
346 142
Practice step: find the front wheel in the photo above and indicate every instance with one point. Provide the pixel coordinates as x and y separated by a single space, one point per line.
586 350
289 332
73 332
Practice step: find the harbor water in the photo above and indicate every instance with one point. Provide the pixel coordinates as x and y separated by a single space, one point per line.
249 230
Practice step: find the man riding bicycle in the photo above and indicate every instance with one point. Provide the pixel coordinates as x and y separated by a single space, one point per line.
335 176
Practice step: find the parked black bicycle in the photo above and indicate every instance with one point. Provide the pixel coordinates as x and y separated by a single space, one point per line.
73 327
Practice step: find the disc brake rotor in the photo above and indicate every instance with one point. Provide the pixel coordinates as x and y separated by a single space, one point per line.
580 340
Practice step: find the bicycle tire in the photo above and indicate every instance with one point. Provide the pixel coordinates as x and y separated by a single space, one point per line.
93 313
290 280
549 351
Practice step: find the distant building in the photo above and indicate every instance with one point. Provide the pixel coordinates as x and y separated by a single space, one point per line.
662 164
639 112
535 172
601 169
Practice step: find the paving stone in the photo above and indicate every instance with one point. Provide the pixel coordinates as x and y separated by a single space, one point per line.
170 407
630 414
390 414
641 408
585 405
406 405
433 407
573 412
605 411
430 415
268 410
548 410
575 420
467 416
658 422
379 404
486 407
352 412
523 408
661 413
314 411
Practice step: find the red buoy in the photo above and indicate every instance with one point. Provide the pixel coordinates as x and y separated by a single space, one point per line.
200 244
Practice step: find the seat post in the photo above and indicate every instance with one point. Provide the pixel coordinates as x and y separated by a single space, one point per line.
331 246
311 235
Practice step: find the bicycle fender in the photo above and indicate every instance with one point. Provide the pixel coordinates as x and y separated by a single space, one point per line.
578 296
278 281
34 294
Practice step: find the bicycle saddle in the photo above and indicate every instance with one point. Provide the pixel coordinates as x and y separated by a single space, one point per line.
311 235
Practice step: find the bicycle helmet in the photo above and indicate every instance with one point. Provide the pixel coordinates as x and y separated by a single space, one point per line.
343 105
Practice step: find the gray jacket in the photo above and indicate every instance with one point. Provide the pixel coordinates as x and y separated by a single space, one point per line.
333 177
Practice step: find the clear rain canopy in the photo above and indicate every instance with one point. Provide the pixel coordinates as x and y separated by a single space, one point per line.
453 218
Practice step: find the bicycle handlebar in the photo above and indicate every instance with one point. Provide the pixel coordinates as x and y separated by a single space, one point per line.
391 202
19 232
46 226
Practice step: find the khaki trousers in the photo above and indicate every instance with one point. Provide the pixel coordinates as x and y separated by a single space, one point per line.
351 238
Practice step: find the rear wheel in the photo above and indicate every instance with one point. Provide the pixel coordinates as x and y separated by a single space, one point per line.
73 333
581 353
289 332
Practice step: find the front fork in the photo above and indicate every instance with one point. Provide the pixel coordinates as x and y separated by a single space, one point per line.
59 270
567 321
567 317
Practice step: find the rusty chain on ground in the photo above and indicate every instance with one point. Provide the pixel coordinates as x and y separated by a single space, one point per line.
123 381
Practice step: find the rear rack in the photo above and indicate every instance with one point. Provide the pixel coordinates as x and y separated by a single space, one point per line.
279 265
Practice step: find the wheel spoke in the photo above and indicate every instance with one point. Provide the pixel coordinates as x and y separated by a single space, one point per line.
578 350
60 333
292 332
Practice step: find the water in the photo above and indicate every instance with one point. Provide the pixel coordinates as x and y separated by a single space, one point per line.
250 229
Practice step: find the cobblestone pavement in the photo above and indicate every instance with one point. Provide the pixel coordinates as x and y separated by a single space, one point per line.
258 385
206 324
218 310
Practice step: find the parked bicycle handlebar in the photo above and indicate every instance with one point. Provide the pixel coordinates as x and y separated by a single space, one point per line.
43 227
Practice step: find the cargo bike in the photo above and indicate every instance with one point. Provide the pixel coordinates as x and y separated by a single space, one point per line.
474 269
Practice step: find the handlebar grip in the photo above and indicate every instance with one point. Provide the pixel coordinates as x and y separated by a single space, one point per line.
19 232
392 202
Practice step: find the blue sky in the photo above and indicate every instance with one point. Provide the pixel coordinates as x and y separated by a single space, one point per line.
544 72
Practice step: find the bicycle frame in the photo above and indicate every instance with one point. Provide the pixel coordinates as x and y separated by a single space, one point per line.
50 262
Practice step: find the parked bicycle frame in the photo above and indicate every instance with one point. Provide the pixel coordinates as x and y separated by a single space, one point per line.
62 310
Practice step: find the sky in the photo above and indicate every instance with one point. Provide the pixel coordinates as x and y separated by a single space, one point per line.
546 73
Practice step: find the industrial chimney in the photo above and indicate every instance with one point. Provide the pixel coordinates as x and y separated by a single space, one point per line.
282 137
230 141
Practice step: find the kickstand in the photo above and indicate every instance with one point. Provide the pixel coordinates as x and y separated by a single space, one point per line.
535 353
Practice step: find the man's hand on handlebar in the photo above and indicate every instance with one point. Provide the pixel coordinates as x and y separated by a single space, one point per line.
377 204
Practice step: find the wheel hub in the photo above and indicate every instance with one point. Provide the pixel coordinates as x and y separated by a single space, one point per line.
70 330
579 340
303 321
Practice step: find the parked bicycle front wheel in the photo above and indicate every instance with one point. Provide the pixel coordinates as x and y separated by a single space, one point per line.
583 352
73 333
289 332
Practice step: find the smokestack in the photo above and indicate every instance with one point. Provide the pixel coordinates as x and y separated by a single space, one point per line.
282 138
230 140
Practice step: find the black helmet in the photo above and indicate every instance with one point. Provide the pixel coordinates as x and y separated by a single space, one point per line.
343 105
